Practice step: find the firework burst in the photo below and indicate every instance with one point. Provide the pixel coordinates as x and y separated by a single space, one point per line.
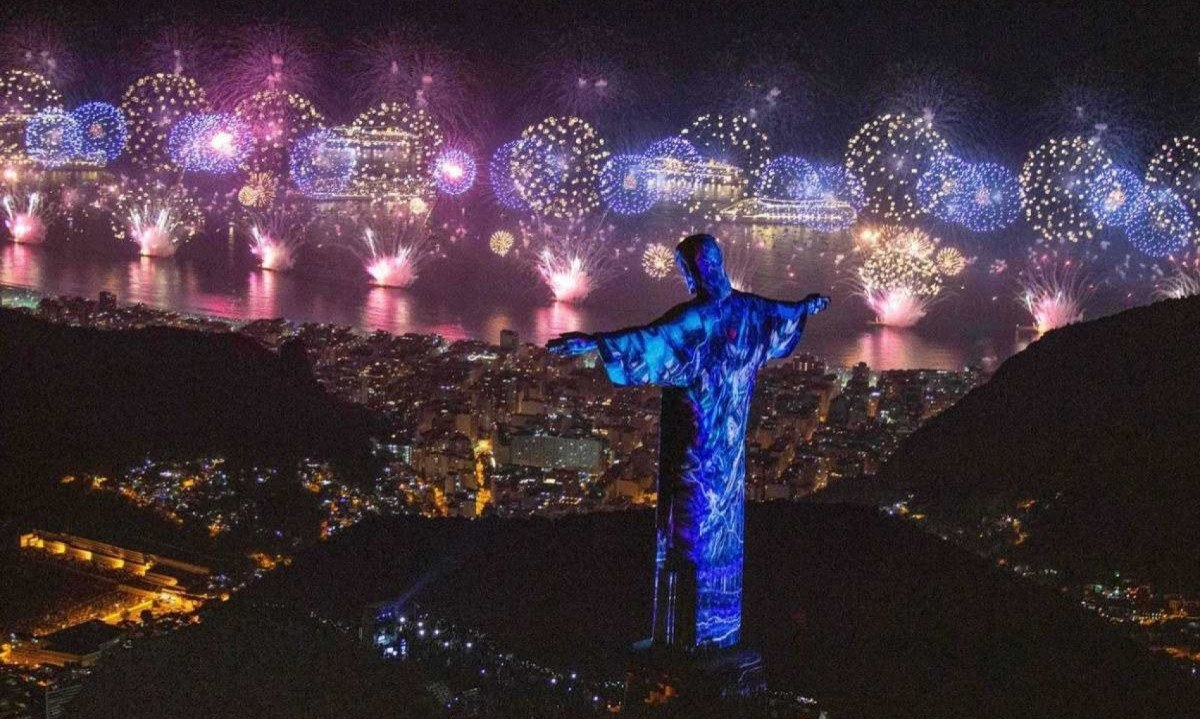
1161 226
773 92
181 50
276 239
729 140
1105 117
1057 181
950 261
103 130
1116 196
211 143
953 104
403 66
24 217
454 171
23 94
501 242
1053 296
275 120
38 47
572 258
406 139
1182 283
1176 166
396 246
624 185
53 138
890 155
160 218
556 165
151 106
658 261
900 278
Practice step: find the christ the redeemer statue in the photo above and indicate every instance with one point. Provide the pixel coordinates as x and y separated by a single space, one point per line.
705 353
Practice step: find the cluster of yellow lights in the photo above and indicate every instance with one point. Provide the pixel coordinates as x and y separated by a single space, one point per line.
733 139
151 105
172 206
1056 180
501 242
734 150
902 258
889 154
950 261
1176 166
406 140
276 119
556 167
259 191
658 260
23 94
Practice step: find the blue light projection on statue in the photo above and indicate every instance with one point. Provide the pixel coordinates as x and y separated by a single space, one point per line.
705 353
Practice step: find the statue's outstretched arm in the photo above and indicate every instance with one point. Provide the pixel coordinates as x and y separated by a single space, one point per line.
572 344
787 321
812 304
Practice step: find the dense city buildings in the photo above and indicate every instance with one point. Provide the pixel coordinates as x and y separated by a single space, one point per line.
473 428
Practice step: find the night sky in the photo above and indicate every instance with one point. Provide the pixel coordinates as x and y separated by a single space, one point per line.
1008 73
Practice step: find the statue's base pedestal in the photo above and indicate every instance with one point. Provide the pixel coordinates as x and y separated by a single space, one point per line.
660 681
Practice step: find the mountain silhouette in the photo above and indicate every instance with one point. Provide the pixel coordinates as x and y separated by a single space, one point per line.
74 398
1097 422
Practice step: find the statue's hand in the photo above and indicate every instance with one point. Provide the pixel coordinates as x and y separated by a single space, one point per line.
572 344
816 303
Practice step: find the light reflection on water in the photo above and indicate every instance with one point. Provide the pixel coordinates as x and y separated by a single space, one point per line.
229 290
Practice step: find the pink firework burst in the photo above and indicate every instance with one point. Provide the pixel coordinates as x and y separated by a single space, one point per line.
396 246
897 307
276 239
23 218
1054 297
573 259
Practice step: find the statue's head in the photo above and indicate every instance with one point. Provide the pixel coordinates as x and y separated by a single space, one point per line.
699 259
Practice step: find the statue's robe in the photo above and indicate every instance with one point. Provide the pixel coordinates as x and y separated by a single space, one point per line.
705 354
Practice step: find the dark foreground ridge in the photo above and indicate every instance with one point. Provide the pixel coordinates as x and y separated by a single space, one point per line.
865 613
73 398
1097 422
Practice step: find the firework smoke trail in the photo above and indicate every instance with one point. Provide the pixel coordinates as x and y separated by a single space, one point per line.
181 50
1054 297
1107 117
38 47
24 219
954 105
268 57
396 247
741 263
402 65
